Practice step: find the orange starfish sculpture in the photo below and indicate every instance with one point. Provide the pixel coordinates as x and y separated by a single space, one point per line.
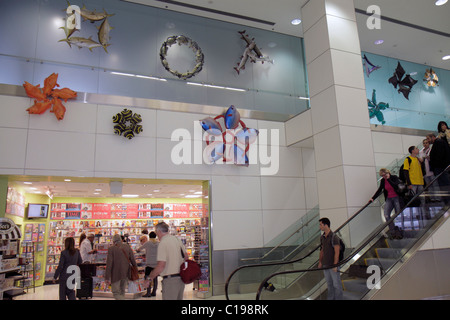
49 96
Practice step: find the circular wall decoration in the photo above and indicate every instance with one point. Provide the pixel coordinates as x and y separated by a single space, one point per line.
182 40
127 124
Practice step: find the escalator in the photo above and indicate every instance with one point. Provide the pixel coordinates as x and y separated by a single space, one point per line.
370 258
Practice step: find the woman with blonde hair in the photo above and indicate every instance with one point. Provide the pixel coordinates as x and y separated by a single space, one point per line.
389 185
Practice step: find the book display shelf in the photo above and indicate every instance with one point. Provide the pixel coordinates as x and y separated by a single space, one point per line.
189 222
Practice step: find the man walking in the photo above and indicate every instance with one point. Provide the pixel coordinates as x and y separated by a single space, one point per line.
329 255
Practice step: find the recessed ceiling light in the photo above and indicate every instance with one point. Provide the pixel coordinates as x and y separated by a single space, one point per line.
67 180
28 183
440 2
296 22
378 42
192 196
446 57
130 195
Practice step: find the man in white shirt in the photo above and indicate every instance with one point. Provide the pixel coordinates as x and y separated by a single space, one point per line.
87 250
169 259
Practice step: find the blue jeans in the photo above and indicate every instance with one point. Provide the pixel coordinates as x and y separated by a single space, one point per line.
391 203
334 284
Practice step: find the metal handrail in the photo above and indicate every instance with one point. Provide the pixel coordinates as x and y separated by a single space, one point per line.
279 245
355 252
288 262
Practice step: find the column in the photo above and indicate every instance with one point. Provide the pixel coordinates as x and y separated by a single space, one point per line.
3 194
345 164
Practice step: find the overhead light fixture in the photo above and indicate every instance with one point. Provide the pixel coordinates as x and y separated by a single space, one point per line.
67 180
441 2
192 196
446 58
130 195
214 86
296 21
28 183
137 76
378 42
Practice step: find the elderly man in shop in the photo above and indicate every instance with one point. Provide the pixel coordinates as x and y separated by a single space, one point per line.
87 250
169 259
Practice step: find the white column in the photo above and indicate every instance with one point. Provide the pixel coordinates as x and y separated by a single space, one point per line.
345 163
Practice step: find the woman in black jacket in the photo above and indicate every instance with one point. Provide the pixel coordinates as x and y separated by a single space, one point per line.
69 257
389 185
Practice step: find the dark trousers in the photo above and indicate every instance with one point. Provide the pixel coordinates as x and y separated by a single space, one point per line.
64 292
155 281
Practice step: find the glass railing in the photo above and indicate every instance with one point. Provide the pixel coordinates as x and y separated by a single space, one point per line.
243 282
367 252
285 248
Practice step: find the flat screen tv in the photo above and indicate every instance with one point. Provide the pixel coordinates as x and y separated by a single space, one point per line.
36 210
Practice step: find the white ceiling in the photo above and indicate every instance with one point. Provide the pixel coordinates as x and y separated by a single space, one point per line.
400 42
100 187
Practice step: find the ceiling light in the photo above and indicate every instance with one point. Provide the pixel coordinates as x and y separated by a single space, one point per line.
446 57
130 195
441 2
296 22
192 196
67 180
28 183
378 42
156 190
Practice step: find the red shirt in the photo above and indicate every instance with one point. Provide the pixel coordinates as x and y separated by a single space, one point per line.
390 190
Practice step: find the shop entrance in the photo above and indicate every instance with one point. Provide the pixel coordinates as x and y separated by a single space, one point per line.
74 207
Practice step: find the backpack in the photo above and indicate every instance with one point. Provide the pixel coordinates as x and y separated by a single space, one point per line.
401 171
341 249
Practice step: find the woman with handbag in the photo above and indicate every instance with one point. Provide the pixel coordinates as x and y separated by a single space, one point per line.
120 263
392 187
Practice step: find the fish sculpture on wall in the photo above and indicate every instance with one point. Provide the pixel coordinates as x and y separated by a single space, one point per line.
92 16
230 144
251 52
49 96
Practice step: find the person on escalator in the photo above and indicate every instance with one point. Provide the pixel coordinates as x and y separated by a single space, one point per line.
389 186
329 255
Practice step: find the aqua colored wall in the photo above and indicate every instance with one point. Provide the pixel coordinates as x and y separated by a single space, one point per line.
426 105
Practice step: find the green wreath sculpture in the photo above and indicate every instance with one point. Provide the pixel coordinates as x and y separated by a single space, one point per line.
127 124
182 40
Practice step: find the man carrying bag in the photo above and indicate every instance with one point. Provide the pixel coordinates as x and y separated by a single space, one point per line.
169 261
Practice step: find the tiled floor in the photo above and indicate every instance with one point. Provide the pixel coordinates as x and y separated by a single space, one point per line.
51 292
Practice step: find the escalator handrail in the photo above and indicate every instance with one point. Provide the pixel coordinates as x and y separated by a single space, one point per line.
288 262
356 251
279 245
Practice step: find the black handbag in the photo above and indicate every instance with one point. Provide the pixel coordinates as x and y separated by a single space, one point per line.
409 196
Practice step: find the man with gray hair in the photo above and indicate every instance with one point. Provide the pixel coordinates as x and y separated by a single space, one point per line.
169 257
120 255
